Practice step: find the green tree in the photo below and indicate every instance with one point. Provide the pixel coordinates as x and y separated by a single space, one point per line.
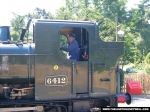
141 28
147 63
15 35
76 10
40 14
17 23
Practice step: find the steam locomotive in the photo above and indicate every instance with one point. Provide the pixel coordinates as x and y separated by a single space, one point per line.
36 76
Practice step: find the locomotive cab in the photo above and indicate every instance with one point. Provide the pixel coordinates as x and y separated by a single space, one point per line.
62 78
39 73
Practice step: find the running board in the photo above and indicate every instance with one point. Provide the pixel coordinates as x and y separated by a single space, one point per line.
37 108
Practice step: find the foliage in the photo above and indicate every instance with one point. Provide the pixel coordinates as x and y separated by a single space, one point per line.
17 23
63 42
14 35
75 10
40 14
147 63
148 70
147 59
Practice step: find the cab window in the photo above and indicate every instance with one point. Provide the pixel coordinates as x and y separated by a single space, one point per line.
82 37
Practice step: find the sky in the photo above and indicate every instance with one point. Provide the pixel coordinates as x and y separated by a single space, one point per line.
21 7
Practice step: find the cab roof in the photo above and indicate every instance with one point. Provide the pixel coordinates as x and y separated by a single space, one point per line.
66 21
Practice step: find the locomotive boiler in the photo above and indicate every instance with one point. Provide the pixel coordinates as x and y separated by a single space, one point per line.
36 75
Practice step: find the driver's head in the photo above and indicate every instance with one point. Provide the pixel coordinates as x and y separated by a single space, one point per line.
71 37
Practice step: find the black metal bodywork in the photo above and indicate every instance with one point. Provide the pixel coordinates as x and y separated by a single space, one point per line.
46 75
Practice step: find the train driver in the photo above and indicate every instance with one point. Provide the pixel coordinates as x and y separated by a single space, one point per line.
73 47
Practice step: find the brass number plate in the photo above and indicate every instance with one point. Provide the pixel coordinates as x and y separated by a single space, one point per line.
56 80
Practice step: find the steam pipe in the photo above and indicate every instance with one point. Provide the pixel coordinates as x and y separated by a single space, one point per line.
9 97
